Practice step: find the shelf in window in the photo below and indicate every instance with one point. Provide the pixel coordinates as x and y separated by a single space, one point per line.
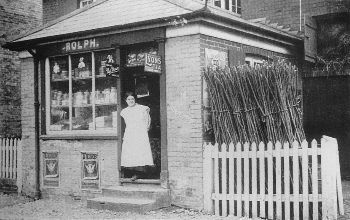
90 105
60 80
59 106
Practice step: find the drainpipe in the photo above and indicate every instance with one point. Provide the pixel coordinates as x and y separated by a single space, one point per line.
299 15
37 193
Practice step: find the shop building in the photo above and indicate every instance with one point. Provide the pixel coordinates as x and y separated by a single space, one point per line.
77 68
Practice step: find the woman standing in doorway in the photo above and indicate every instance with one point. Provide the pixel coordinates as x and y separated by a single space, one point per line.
136 149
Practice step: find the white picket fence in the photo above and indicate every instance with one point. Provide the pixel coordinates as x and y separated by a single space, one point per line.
10 164
273 181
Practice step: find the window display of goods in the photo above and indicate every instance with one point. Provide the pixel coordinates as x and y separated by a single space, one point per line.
56 127
103 121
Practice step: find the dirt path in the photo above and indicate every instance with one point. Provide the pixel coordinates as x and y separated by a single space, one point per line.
14 207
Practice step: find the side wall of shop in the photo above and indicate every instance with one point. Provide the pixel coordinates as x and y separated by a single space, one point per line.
28 130
185 61
183 95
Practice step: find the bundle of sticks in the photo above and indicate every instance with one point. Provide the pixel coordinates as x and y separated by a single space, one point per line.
254 104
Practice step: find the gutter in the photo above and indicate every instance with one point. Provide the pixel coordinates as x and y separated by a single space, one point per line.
37 193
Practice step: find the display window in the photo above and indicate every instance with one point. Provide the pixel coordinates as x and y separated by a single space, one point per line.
81 93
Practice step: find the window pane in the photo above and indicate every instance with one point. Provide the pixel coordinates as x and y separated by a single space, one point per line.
59 98
105 92
81 91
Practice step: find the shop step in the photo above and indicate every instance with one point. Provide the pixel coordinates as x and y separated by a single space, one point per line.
122 204
131 197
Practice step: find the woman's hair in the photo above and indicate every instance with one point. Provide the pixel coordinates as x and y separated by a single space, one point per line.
127 94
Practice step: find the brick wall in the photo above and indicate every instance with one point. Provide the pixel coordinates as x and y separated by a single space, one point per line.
57 8
185 59
183 79
15 17
287 12
28 131
71 168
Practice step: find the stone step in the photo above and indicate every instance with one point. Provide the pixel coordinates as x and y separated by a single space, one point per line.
123 204
137 191
131 197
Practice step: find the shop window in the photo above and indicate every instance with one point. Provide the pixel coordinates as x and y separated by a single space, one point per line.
83 98
83 3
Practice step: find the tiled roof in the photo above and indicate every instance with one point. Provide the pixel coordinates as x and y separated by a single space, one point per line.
104 14
118 13
268 23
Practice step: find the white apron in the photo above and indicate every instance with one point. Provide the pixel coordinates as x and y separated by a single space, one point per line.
136 149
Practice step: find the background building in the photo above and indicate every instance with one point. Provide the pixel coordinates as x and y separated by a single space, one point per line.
15 17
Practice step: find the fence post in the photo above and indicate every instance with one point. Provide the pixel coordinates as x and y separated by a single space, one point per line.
19 166
207 178
328 167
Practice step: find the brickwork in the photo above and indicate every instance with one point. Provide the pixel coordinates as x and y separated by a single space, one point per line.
56 8
185 59
183 89
15 18
71 168
28 131
287 12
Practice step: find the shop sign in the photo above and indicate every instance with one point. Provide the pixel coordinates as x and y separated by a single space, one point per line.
153 63
50 169
78 45
90 170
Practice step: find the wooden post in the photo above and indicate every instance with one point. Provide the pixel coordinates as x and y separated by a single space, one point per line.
254 181
270 180
296 194
19 166
245 157
224 180
278 147
286 180
305 172
215 155
239 179
314 180
232 178
208 178
262 179
328 173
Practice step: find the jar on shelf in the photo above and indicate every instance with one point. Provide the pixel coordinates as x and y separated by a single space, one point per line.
98 96
107 95
86 97
79 98
113 95
59 97
65 99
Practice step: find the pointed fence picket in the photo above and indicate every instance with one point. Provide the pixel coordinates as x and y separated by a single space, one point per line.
274 181
10 163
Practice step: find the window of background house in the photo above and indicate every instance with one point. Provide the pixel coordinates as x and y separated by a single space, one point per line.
253 60
83 3
80 96
236 6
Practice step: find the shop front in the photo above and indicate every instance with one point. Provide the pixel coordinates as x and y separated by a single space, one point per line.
73 133
83 82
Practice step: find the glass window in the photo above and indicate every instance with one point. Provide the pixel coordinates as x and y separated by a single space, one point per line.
83 97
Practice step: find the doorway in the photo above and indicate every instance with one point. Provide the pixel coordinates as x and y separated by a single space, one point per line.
146 87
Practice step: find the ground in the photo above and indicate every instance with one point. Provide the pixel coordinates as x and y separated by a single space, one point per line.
19 207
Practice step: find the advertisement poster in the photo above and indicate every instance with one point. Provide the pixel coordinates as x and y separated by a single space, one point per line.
50 169
153 63
90 170
215 58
